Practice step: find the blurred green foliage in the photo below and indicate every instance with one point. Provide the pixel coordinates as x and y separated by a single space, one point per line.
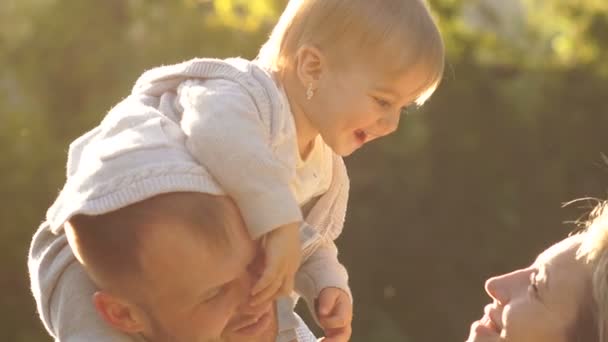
470 186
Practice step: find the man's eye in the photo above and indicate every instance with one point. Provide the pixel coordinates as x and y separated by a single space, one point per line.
213 295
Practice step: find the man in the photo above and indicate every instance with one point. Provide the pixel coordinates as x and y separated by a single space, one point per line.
180 256
173 267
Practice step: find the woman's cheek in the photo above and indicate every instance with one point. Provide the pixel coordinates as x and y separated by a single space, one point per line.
521 321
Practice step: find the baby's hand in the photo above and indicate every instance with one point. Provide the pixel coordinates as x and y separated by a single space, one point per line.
282 259
335 313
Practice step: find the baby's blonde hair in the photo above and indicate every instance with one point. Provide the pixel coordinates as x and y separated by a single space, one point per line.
396 35
594 250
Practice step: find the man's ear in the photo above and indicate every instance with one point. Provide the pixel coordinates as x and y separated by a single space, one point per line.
310 64
119 313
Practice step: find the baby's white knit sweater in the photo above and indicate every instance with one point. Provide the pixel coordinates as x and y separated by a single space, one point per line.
171 134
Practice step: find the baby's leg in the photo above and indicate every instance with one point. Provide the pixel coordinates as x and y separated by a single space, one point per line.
63 292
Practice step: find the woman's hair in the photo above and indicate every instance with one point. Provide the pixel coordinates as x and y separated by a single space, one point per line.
592 324
395 35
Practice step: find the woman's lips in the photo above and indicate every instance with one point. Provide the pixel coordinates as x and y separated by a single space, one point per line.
480 329
486 327
489 318
488 323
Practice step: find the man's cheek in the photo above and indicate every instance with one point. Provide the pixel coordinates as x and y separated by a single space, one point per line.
212 323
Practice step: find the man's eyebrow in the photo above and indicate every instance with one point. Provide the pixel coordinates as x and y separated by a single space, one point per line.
205 293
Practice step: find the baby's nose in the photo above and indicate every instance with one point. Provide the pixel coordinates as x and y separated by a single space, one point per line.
388 124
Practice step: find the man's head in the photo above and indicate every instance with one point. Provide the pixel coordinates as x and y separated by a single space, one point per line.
175 267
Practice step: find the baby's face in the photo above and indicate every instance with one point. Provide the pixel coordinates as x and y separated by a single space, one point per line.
357 104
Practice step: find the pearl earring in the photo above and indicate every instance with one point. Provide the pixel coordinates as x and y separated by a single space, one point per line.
309 92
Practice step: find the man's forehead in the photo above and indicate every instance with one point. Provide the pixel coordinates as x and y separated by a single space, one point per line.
185 269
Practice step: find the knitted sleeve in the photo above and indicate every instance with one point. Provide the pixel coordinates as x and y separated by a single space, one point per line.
227 135
321 270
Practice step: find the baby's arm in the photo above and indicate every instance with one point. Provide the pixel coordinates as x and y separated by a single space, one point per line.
320 271
323 283
228 134
63 292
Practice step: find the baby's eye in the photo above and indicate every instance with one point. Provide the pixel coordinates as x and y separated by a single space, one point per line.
382 103
408 109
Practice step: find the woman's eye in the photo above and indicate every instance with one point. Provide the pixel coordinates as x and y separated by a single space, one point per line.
533 284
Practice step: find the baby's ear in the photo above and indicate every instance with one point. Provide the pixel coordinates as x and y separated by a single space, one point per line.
310 64
118 313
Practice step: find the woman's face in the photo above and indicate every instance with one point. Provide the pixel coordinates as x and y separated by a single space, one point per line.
537 303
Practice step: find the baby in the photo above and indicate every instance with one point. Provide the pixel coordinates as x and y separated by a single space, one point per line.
333 76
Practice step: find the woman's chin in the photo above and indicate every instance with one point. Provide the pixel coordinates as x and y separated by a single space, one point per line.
482 332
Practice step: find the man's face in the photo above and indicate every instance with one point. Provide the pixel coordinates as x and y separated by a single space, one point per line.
247 326
197 291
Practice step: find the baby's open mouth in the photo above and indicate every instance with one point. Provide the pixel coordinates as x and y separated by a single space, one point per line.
364 136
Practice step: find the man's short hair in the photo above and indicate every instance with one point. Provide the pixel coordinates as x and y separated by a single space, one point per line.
109 245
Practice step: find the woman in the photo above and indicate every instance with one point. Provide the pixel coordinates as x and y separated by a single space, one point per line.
561 297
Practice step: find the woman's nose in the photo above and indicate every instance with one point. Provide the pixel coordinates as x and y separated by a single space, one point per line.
494 290
502 288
